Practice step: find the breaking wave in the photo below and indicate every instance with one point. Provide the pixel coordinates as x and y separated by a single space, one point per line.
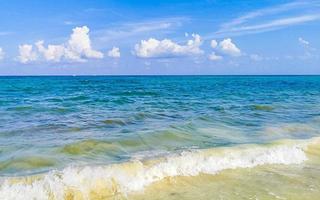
87 182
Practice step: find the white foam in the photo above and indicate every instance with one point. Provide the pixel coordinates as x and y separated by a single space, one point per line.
135 176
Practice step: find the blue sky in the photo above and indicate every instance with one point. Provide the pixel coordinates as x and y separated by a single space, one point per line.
114 37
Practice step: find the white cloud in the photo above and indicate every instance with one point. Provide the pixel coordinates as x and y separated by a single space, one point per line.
214 44
1 53
26 54
79 45
154 48
114 52
52 52
303 41
77 49
213 56
228 47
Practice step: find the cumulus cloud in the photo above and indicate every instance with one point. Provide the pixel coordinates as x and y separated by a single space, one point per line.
213 56
26 53
77 49
214 44
52 52
225 47
154 48
114 52
79 45
228 47
1 53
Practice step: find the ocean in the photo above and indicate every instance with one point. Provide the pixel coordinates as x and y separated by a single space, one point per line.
160 137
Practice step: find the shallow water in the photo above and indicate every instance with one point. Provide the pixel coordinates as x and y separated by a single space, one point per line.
55 132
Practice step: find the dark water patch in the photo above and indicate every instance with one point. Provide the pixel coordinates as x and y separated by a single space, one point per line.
26 163
10 133
75 129
217 108
169 115
262 107
142 116
122 101
54 100
20 108
126 131
131 143
91 146
169 138
102 100
114 122
205 118
59 110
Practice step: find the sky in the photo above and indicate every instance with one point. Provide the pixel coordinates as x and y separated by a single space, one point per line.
164 37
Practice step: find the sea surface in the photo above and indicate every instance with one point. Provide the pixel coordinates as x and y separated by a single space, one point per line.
160 137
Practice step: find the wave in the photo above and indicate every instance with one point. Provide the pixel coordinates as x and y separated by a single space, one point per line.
82 182
26 163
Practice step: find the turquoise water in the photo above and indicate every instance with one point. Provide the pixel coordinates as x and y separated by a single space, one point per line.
160 137
53 122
